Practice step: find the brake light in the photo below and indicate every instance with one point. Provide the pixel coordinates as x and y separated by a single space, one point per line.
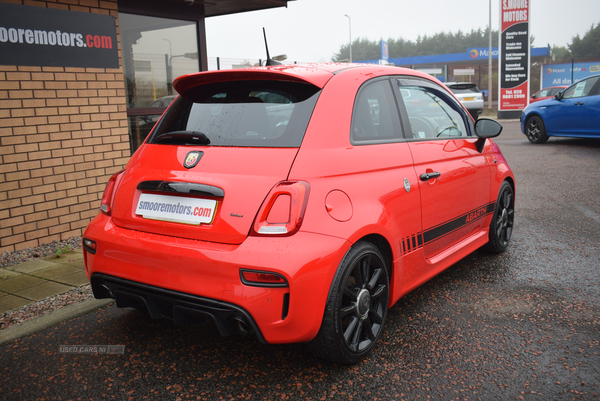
109 192
283 209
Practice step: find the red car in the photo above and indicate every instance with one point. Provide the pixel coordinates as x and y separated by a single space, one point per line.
297 203
546 93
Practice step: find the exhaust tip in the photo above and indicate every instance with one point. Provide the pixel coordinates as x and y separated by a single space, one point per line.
241 325
108 291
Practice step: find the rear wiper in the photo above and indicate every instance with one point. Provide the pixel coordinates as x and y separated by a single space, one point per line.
183 138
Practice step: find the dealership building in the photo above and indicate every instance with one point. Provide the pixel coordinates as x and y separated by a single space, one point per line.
81 84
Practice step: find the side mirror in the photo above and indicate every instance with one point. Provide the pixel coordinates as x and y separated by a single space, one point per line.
558 96
486 128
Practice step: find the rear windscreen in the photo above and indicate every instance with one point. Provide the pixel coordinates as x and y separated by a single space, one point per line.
239 113
467 88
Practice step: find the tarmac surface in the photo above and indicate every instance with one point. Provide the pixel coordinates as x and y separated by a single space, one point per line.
521 325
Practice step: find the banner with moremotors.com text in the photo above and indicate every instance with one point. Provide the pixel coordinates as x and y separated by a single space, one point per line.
40 36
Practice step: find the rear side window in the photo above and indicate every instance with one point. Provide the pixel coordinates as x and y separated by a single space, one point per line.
239 113
375 116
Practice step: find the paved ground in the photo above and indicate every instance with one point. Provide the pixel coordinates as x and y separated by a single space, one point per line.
522 325
37 279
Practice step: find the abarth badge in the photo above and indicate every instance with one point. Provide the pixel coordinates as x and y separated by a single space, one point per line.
406 185
192 159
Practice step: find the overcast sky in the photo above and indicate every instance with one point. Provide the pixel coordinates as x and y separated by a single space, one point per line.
314 30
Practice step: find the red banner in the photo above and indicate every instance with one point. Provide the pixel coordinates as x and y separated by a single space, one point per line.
514 98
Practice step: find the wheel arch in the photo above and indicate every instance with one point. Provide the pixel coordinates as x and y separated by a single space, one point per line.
384 247
511 180
533 114
382 244
530 116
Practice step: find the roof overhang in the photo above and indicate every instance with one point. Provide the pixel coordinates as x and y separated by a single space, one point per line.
214 8
196 9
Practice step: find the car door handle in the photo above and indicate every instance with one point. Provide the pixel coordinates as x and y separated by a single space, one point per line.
428 176
579 104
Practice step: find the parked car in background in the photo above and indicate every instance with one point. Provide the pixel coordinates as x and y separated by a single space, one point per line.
574 112
545 93
164 101
469 94
160 104
298 203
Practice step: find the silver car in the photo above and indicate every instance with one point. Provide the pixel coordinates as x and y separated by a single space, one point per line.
469 95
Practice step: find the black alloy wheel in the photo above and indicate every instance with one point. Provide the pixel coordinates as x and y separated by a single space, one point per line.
536 130
356 307
503 220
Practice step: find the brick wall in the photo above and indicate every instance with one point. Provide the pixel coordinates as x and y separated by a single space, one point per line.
63 133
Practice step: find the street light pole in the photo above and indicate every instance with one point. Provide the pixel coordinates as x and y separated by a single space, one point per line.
349 35
169 69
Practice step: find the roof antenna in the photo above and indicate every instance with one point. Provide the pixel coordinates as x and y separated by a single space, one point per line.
269 60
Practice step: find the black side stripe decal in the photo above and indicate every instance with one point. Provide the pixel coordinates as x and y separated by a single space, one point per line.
444 229
416 241
411 243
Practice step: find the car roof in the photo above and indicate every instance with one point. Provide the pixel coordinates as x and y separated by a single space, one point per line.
315 74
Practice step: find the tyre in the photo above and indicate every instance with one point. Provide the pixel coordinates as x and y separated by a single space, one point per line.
356 307
536 130
503 220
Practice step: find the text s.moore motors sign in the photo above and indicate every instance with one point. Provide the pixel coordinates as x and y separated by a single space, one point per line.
38 36
514 55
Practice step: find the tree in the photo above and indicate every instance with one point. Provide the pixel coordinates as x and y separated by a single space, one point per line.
561 53
362 49
439 43
588 46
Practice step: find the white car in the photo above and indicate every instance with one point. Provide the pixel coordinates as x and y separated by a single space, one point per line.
469 95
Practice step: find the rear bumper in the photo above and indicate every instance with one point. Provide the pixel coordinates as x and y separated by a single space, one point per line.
192 278
179 307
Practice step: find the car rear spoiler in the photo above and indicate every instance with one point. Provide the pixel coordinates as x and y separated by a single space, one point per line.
318 78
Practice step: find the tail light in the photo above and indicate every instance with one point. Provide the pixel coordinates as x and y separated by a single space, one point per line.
283 209
109 193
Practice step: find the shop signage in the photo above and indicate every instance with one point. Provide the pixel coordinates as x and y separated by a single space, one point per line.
481 53
38 36
514 55
567 74
385 50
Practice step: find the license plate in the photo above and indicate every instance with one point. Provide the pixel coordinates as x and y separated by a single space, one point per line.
176 209
468 99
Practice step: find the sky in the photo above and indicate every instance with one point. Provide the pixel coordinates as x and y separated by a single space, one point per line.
314 30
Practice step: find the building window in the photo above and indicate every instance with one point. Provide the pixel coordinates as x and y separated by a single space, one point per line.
155 51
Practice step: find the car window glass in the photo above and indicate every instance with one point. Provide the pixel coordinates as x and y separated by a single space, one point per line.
246 113
375 115
581 88
469 89
542 93
431 115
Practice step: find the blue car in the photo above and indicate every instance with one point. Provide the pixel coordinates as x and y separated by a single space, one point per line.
574 112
